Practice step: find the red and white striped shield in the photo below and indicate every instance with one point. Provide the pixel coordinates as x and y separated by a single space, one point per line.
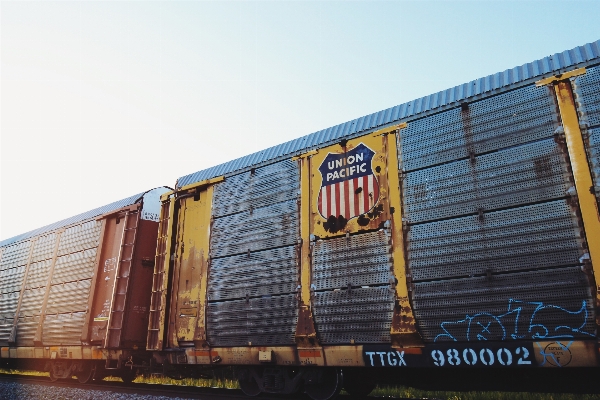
349 188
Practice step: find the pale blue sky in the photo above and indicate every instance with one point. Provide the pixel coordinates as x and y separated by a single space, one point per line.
100 100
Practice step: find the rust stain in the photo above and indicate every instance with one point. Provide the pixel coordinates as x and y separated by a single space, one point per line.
404 331
306 335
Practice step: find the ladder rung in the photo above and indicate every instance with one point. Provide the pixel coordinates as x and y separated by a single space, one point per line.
153 329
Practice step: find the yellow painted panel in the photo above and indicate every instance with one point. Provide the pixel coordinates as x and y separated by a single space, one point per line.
344 356
348 191
192 266
4 353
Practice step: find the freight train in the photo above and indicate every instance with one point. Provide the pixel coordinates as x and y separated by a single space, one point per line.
457 233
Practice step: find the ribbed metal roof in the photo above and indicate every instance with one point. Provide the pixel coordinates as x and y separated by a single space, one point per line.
580 56
75 219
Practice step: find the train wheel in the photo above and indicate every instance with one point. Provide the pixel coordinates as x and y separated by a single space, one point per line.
248 383
327 386
128 375
86 375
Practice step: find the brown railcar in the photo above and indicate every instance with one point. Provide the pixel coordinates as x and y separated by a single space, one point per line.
76 293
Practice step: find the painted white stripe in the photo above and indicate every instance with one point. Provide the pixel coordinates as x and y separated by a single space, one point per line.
333 210
351 197
342 199
324 200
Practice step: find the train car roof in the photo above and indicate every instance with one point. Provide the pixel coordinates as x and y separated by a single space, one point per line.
76 218
581 56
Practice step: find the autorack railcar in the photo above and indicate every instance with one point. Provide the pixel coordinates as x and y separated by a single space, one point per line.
457 233
74 295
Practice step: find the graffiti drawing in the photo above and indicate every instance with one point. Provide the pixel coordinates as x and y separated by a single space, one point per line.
522 320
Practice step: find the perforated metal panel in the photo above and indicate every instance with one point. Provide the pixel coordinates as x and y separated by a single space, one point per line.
74 267
352 299
68 297
38 274
508 119
253 274
550 303
263 228
593 148
80 237
518 175
587 92
261 321
43 248
26 328
63 329
11 280
32 301
262 187
536 236
15 255
358 260
359 315
269 272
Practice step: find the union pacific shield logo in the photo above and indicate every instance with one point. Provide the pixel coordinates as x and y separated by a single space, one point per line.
349 187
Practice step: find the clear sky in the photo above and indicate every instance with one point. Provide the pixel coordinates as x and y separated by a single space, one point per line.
101 100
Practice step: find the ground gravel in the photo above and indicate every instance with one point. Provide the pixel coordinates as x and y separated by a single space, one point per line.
15 390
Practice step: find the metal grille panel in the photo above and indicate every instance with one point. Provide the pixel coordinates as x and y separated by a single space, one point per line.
357 260
519 175
63 329
536 236
80 237
527 305
362 315
43 249
6 326
15 255
264 186
594 157
509 119
263 321
268 227
26 328
268 272
587 92
11 280
32 301
38 274
359 313
74 266
8 305
68 297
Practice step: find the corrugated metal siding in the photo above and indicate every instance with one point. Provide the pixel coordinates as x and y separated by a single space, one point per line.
520 175
587 92
505 120
74 219
487 201
526 305
253 271
15 255
588 54
353 299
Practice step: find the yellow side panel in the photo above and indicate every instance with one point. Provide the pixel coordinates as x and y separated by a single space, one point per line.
192 267
349 186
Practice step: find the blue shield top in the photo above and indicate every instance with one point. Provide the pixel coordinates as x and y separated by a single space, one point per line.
355 163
